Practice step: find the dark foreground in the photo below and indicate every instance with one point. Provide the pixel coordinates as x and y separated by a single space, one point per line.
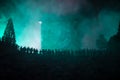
59 65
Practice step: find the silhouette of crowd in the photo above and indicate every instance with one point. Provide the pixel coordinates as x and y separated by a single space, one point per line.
24 63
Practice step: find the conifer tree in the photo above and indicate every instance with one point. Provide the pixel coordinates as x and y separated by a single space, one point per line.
9 34
114 42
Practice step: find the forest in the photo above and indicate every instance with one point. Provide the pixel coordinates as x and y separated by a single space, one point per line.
23 63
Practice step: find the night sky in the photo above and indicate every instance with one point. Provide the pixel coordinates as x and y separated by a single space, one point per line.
60 24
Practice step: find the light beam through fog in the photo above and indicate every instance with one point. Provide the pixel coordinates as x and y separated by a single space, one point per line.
31 36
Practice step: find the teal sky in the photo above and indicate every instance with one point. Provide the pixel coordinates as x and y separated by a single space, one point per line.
67 24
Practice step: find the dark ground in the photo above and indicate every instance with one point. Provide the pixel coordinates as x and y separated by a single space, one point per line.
20 64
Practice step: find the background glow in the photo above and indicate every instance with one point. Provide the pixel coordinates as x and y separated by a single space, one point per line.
66 24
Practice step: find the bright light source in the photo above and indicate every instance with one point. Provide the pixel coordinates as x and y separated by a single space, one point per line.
40 22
